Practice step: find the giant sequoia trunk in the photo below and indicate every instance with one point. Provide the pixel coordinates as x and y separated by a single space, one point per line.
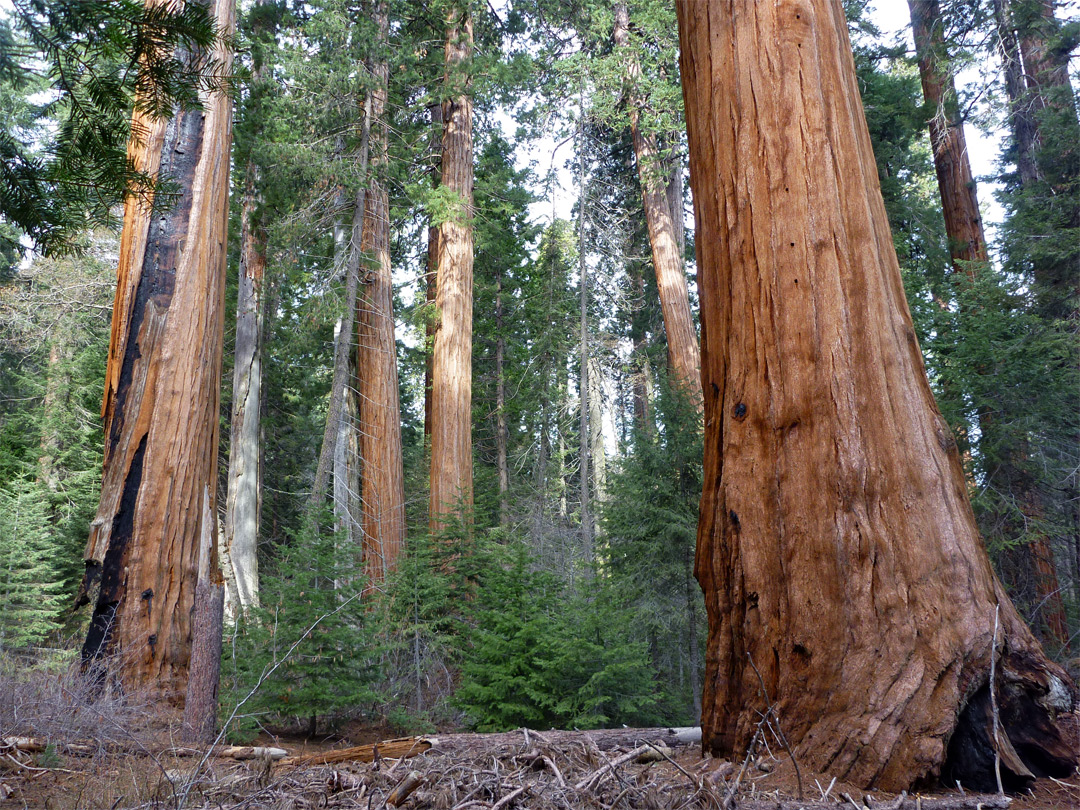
451 385
845 583
382 478
959 199
664 233
161 402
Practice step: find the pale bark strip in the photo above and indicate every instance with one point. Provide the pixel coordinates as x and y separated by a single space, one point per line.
684 356
243 502
837 549
451 389
161 400
382 475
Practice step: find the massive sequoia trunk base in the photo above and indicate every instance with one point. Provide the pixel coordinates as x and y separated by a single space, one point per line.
845 581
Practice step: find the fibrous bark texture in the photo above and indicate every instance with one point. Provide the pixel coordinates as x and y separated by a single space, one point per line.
382 477
451 386
161 401
204 674
243 502
959 198
684 355
845 582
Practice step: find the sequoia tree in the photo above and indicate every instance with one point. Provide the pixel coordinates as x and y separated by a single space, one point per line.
845 582
664 231
451 383
158 494
959 199
382 478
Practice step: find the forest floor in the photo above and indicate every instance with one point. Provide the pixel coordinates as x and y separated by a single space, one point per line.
628 768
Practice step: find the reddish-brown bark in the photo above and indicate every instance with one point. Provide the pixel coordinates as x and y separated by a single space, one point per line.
382 478
451 386
844 579
684 355
959 198
161 401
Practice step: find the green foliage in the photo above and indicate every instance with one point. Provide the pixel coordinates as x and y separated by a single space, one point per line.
65 159
31 579
310 646
542 658
650 526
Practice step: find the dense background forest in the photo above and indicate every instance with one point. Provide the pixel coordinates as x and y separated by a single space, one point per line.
557 588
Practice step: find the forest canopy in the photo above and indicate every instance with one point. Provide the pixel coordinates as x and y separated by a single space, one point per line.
421 352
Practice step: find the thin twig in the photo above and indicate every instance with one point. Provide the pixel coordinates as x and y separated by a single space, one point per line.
994 706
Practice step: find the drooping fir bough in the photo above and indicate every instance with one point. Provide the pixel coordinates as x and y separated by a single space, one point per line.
838 553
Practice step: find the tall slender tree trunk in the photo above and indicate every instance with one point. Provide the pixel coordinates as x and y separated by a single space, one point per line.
583 355
1043 114
640 372
597 450
967 246
382 476
451 389
501 437
684 356
243 500
430 279
959 197
1020 113
844 579
161 400
340 381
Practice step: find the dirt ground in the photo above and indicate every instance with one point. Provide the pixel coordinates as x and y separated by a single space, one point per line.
517 770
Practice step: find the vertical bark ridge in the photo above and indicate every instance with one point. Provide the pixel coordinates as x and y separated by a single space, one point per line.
382 476
161 401
836 546
451 389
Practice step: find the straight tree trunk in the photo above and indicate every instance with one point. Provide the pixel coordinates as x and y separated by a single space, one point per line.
208 618
642 416
683 354
430 279
161 399
382 476
339 382
1020 113
451 389
1046 128
597 450
243 500
959 198
583 358
845 583
500 408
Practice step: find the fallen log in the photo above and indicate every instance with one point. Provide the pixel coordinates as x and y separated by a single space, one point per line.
401 748
604 739
31 745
